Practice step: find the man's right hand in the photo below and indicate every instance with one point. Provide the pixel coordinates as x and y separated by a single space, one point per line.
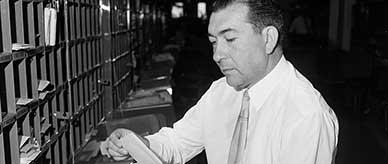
113 147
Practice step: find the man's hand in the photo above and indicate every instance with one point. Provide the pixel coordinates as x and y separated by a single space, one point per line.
113 145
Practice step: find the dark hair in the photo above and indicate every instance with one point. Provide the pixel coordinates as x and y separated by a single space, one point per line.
262 13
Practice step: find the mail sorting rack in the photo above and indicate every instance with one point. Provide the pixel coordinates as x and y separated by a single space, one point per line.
122 52
58 76
139 28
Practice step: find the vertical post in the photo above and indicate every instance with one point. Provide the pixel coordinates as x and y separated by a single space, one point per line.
53 102
39 41
76 69
72 70
19 21
33 68
99 59
31 23
10 90
96 55
333 23
45 108
84 82
22 68
81 69
5 26
2 148
13 152
61 99
347 25
88 90
106 52
34 84
68 32
40 15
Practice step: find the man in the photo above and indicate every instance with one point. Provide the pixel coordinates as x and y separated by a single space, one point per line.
262 112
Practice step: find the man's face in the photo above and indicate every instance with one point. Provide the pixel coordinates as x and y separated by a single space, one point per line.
238 49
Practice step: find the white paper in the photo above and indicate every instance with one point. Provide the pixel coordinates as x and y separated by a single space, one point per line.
23 140
50 25
23 101
53 26
43 84
47 15
21 46
138 150
43 95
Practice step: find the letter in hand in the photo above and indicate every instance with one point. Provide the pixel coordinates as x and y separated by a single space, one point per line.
112 146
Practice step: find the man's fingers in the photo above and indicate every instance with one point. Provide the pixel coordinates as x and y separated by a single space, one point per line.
115 139
104 148
120 158
114 143
117 149
114 153
116 156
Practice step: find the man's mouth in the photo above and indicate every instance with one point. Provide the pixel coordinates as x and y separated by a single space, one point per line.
226 70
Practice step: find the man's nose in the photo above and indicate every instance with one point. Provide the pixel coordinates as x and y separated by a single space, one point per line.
218 53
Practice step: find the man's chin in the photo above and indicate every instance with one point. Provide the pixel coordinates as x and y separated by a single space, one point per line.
237 86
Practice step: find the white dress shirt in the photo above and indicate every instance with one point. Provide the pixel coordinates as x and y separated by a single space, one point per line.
290 123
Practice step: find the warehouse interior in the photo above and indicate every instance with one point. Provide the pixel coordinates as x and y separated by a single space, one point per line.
72 71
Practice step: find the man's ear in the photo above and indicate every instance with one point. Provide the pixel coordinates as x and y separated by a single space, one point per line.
271 36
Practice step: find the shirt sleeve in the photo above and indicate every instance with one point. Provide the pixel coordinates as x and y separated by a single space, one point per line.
179 144
311 140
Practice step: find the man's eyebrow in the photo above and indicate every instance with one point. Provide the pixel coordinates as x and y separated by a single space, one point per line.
223 32
226 30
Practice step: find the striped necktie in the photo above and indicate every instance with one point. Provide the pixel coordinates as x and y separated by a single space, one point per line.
239 139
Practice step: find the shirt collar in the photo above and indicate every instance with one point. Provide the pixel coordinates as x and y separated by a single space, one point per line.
259 92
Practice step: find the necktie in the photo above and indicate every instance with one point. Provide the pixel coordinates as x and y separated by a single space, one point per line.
239 139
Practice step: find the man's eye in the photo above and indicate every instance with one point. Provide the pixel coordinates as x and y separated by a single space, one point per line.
230 39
